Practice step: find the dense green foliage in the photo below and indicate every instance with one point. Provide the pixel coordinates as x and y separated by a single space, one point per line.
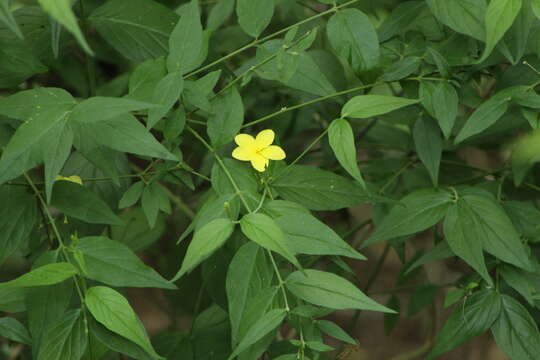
117 127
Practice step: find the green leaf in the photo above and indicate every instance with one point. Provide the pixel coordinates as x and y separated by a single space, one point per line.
353 36
428 143
494 228
205 242
488 113
186 41
366 106
124 133
471 319
150 204
332 329
219 13
318 189
132 195
242 174
227 117
79 202
401 17
138 29
101 108
341 138
166 94
254 15
145 78
279 208
500 15
135 232
525 153
44 138
66 339
44 275
402 68
113 311
329 290
60 10
268 322
309 77
515 331
24 105
18 216
416 212
523 282
464 236
12 329
463 16
194 95
535 4
7 18
13 300
307 235
445 107
421 298
248 274
262 230
438 252
114 264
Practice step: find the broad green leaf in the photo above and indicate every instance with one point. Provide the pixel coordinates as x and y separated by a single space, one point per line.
524 283
138 29
353 36
514 44
66 339
186 41
307 235
116 342
254 15
445 107
515 331
24 105
279 208
124 133
468 320
525 153
13 300
416 212
60 10
242 173
483 117
113 311
219 13
166 94
256 307
42 138
329 290
438 252
262 230
132 195
81 203
205 242
226 206
248 274
227 117
268 322
194 95
341 138
464 235
332 329
150 203
101 108
135 232
114 264
525 217
44 275
366 106
12 329
401 17
18 216
428 143
402 68
463 16
17 63
7 18
494 228
318 189
283 62
309 77
535 4
145 78
499 16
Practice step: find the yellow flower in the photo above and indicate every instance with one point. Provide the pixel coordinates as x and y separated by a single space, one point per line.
259 150
73 178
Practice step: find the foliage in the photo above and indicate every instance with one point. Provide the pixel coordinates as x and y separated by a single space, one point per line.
118 124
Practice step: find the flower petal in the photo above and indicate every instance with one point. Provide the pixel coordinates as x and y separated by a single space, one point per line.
265 138
243 153
244 140
273 152
259 162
